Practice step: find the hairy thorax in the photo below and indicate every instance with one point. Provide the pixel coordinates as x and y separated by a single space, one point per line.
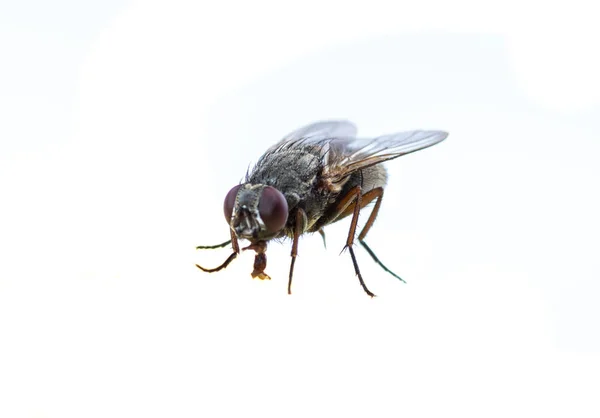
297 174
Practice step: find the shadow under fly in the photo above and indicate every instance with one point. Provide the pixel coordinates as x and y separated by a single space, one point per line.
315 176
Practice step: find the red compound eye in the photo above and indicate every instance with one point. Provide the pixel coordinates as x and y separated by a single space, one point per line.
273 209
230 202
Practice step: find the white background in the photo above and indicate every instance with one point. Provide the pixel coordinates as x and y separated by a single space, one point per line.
123 126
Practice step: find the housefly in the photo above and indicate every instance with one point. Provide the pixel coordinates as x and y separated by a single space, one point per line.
315 176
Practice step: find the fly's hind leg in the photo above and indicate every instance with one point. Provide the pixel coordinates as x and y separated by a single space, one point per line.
353 203
376 193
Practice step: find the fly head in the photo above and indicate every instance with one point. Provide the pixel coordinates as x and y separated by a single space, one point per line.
255 212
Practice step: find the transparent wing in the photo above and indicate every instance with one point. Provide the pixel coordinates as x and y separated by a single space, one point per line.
342 153
323 130
346 155
316 135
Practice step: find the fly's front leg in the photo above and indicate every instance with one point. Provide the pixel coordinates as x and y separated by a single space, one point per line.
236 251
212 247
298 229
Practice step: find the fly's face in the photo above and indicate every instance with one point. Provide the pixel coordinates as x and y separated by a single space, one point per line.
255 212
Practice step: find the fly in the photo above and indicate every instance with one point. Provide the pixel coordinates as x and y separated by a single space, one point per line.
315 176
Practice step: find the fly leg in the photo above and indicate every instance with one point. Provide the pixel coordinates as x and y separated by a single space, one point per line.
212 247
322 233
298 229
236 251
376 193
352 203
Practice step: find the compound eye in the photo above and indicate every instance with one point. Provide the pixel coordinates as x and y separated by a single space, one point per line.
230 202
273 209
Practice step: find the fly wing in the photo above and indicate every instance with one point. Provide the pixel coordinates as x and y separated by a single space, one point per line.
317 133
314 136
347 155
342 153
323 130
